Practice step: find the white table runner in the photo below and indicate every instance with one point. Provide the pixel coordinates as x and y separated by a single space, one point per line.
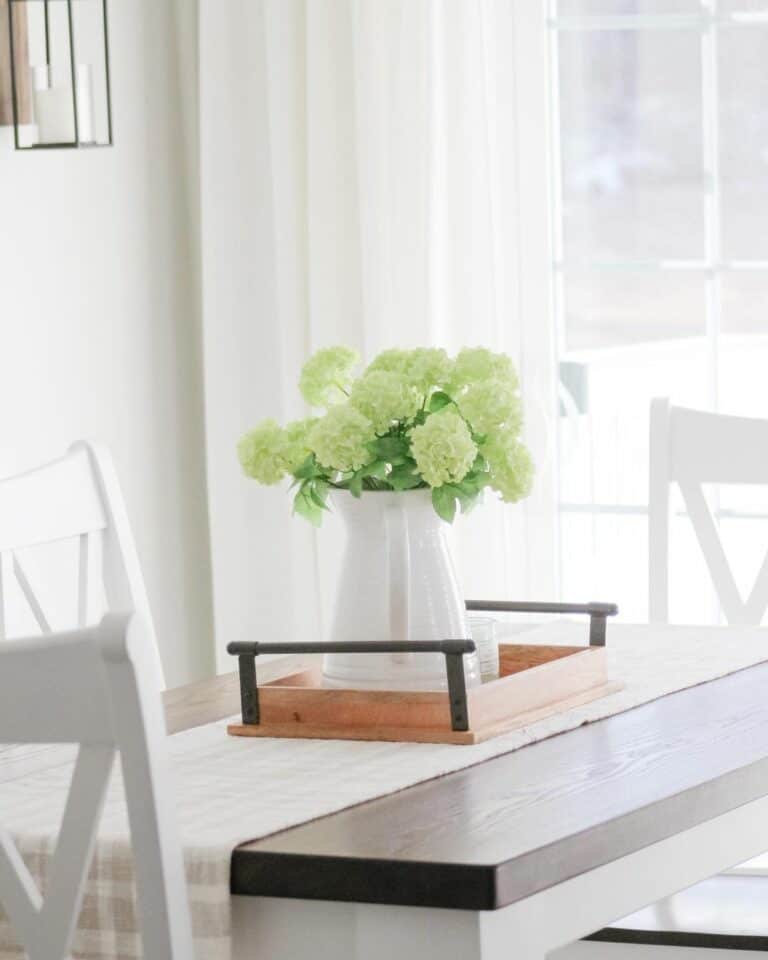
231 790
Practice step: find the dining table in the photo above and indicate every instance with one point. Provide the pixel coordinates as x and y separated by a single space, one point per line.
516 856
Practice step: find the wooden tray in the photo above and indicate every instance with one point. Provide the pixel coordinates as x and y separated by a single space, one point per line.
535 682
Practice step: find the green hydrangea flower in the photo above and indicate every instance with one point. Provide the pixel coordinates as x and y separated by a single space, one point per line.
443 448
488 404
423 368
428 367
476 364
268 452
261 453
391 361
339 438
383 397
327 375
510 466
295 446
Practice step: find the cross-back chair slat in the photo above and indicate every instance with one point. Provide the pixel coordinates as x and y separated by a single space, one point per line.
84 593
29 595
6 572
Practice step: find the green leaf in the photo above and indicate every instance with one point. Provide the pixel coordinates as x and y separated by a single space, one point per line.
376 469
307 469
405 477
318 492
304 506
444 502
438 400
356 485
467 495
473 482
406 482
364 477
480 465
390 449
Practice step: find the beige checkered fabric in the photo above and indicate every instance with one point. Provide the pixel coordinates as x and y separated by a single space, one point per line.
108 925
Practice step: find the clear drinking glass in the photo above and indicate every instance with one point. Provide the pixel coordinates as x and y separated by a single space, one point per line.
483 631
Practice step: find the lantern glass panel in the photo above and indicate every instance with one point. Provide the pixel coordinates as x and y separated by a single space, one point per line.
61 73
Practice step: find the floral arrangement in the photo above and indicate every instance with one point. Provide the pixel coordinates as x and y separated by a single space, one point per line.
414 419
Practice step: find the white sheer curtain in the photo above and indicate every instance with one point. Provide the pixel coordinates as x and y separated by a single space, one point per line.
361 184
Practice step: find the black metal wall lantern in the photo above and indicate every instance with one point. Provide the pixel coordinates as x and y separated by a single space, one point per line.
60 83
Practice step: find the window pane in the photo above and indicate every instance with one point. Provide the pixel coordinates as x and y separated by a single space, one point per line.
607 557
615 308
743 344
744 528
604 450
745 302
612 8
631 144
744 140
743 6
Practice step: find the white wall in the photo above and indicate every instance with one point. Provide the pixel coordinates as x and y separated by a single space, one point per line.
99 312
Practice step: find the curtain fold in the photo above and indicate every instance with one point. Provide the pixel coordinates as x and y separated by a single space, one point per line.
360 185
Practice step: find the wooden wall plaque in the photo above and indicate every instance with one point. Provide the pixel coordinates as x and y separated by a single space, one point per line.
20 41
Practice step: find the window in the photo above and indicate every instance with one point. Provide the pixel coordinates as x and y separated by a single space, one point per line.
660 271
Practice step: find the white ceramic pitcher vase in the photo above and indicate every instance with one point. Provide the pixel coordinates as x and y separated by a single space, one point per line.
398 582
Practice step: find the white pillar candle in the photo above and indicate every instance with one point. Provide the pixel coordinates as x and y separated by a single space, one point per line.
54 115
41 77
84 103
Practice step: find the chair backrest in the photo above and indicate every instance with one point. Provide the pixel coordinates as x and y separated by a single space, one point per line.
691 448
76 498
93 687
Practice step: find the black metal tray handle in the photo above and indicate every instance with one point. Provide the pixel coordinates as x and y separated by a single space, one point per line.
453 650
598 612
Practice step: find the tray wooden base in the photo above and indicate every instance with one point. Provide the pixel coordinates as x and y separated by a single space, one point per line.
535 682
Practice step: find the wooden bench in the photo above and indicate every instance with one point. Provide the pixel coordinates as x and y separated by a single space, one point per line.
725 913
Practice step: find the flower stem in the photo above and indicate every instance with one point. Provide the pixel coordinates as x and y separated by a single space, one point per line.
341 387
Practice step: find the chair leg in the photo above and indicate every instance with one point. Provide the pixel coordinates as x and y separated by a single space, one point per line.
159 867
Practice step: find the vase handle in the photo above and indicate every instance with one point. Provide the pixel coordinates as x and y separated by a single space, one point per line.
398 562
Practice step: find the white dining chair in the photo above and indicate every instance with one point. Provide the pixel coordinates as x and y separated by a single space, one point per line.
77 498
690 448
94 687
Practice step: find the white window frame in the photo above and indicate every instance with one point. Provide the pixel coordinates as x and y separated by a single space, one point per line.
536 346
541 267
